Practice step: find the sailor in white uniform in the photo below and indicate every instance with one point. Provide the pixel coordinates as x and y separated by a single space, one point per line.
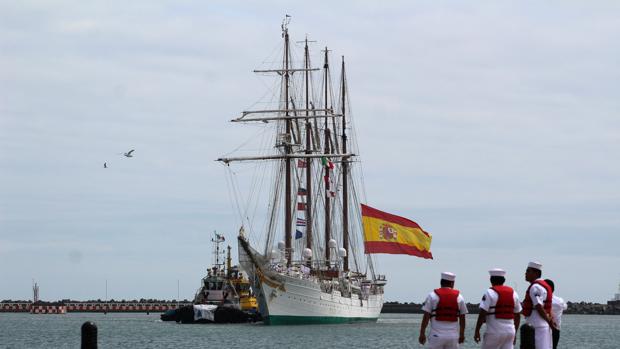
537 306
501 311
558 306
443 308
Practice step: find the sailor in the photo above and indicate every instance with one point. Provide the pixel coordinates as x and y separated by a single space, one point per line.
557 306
500 309
444 307
537 306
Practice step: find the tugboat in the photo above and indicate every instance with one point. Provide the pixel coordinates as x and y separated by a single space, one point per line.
225 286
224 295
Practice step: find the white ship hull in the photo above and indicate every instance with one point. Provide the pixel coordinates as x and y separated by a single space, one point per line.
298 298
303 302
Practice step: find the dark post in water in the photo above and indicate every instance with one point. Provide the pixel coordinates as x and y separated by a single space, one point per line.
527 337
89 335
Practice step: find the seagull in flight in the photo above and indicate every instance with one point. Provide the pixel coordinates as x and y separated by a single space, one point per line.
105 165
128 154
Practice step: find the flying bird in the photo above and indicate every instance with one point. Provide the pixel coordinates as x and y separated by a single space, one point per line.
128 154
105 165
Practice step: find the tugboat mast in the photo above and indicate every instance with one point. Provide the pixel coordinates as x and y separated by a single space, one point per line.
217 239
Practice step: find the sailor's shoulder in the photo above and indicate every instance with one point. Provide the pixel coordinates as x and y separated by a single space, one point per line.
431 297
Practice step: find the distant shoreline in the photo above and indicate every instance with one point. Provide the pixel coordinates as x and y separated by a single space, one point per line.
586 308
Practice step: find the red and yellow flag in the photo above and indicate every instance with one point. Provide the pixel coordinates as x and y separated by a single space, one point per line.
388 233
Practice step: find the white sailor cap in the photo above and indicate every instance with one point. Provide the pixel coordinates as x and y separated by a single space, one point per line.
446 275
535 265
497 272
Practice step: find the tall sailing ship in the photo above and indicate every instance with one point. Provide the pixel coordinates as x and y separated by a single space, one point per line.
318 272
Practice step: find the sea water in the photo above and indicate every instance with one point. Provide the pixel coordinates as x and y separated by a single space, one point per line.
127 330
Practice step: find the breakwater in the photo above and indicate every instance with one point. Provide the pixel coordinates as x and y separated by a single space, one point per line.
69 306
611 308
154 306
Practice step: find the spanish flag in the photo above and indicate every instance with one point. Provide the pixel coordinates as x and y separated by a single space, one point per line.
388 233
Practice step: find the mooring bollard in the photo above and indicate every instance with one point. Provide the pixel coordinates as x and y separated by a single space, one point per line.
527 337
89 335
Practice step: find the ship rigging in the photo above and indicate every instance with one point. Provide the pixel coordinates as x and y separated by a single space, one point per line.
312 173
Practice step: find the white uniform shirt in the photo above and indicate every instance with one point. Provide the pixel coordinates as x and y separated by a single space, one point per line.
558 306
495 325
443 329
538 294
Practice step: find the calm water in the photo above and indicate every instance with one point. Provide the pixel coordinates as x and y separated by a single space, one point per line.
146 331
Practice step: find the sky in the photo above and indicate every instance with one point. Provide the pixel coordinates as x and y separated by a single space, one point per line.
494 125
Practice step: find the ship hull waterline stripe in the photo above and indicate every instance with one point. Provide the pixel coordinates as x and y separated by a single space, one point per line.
316 320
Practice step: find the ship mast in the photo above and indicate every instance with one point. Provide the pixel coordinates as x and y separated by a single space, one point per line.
328 151
308 151
326 168
288 202
345 175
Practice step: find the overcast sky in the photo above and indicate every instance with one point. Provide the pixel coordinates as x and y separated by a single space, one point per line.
494 125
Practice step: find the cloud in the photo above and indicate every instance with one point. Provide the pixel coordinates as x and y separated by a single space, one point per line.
492 125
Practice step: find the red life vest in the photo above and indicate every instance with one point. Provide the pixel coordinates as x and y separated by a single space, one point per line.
448 307
527 302
504 308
